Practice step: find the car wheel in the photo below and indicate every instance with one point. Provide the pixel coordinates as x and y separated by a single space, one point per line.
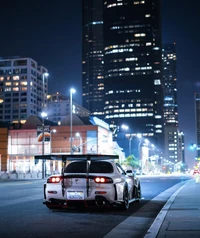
125 203
138 193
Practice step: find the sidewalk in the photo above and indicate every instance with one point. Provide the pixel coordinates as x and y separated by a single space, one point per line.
180 217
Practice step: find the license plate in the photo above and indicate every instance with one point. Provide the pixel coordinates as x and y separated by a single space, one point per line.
71 195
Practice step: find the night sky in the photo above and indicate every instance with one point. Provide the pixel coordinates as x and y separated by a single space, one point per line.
50 33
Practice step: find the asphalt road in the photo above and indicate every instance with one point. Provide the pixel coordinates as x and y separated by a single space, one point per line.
22 213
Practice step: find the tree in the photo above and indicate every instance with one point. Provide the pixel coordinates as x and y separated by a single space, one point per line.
132 161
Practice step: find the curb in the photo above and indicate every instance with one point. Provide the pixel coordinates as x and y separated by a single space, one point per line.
155 227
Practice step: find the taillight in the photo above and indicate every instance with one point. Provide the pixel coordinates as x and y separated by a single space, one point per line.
103 180
55 179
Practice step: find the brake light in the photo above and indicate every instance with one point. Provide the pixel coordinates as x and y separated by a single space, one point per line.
103 180
54 179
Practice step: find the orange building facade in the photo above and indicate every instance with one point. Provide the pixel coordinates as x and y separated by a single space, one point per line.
24 144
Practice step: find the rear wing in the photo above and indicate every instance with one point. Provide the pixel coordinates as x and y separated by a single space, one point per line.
73 157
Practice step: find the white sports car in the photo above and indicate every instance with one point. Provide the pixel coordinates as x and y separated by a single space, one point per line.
92 180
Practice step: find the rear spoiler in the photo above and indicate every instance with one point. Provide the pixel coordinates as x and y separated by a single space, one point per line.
71 157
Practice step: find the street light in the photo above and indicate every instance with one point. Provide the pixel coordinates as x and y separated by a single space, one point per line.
43 91
43 114
52 131
72 90
125 127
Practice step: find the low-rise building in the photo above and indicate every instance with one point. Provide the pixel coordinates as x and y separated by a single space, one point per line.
89 135
58 108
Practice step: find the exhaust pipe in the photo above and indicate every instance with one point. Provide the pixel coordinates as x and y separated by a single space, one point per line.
100 203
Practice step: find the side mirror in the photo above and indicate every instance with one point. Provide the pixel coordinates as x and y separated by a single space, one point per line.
129 172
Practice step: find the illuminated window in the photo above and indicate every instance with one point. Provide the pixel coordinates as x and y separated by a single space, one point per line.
158 117
131 59
156 71
8 83
23 83
140 35
15 77
24 89
111 5
97 22
16 89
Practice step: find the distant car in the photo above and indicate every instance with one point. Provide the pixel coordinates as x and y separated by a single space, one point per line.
92 180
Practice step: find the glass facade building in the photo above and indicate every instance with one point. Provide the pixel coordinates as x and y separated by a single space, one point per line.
174 139
131 71
170 85
92 57
197 121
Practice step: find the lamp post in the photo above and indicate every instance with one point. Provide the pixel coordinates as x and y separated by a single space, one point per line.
130 140
52 131
43 114
72 90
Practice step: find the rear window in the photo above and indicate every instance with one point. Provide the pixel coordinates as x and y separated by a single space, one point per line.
95 167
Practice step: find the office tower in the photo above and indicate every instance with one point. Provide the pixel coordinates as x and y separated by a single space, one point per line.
131 73
133 67
173 137
170 85
92 57
58 108
23 89
197 122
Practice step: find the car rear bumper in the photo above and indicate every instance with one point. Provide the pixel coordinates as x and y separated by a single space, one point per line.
99 201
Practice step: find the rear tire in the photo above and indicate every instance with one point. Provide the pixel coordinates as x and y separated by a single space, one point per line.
125 203
138 193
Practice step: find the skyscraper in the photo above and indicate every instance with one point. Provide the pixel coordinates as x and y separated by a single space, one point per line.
174 139
92 57
132 69
170 85
197 121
